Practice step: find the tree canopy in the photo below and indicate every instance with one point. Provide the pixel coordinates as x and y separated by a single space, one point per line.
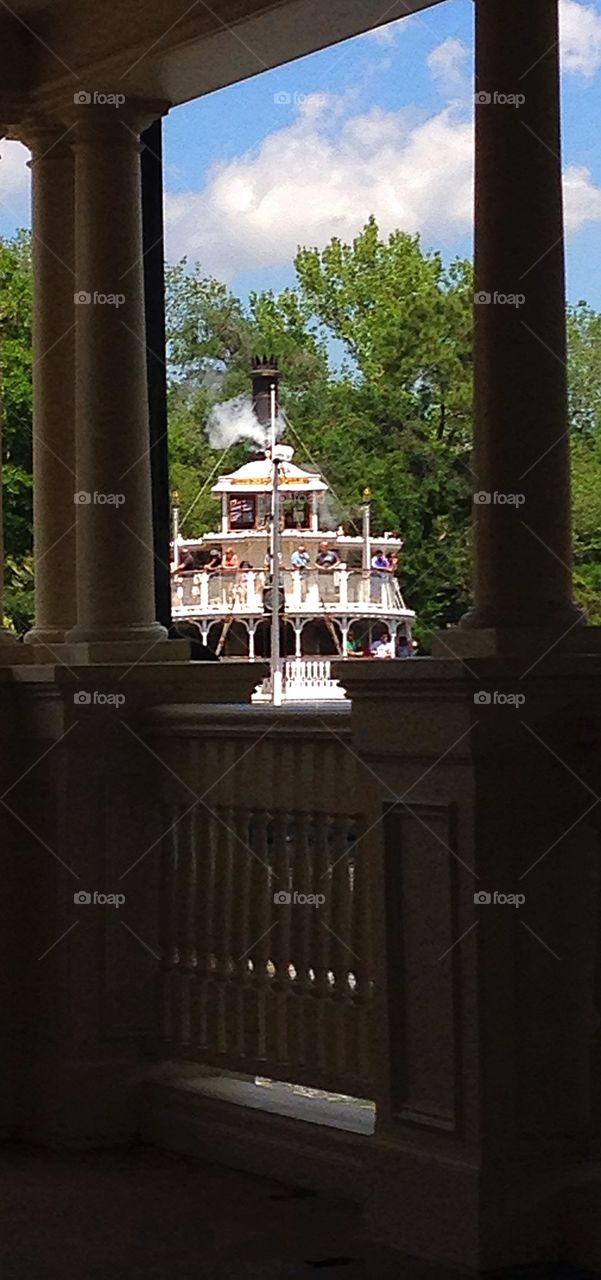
374 342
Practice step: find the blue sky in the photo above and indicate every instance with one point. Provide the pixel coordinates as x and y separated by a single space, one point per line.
412 81
382 124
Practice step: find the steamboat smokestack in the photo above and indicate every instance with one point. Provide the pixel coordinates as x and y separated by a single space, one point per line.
264 373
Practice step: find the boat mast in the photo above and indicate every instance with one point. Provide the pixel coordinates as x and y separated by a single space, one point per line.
176 529
276 666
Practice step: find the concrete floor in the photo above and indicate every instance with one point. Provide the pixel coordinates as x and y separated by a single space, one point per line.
143 1214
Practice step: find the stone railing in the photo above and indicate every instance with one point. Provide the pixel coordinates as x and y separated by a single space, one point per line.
265 935
306 592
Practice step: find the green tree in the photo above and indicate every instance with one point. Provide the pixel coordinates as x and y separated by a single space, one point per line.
16 411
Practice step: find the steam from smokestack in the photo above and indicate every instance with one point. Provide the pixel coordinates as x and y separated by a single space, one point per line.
235 420
243 419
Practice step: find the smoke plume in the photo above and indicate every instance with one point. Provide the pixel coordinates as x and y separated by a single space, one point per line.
235 420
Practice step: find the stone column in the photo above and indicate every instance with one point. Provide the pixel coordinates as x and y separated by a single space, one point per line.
53 340
10 650
522 538
115 574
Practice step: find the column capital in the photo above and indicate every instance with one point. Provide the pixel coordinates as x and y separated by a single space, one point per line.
111 119
46 136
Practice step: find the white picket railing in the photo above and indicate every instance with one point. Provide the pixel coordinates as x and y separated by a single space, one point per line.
305 680
310 592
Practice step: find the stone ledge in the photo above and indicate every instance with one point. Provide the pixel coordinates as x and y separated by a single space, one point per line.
194 1119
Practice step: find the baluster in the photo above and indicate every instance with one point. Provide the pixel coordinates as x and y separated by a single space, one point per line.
187 925
226 1038
171 951
324 939
362 944
263 917
207 833
277 1030
165 1019
343 958
300 1023
242 933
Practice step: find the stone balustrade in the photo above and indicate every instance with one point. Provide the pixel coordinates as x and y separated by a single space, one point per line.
264 936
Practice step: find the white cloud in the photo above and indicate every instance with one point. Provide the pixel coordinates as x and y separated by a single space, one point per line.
386 34
320 177
582 198
14 178
580 28
447 64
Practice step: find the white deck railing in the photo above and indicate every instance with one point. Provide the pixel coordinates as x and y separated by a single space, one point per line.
307 592
304 680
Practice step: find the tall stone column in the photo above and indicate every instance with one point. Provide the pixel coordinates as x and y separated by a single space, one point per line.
10 650
115 575
522 541
52 173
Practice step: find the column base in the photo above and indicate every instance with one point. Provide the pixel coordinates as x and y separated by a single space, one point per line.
11 650
512 642
46 635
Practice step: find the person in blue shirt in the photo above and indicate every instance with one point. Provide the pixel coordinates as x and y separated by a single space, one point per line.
381 562
300 559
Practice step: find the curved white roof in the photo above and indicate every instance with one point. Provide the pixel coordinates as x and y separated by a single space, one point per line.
257 477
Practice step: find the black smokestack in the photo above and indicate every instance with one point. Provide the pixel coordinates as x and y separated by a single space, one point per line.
264 373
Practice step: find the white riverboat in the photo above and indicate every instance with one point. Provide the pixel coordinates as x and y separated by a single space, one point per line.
338 591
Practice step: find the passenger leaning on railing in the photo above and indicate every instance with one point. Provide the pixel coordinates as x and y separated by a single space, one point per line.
327 558
185 561
381 572
229 563
214 560
300 559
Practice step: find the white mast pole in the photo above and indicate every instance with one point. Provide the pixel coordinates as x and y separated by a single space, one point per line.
176 532
276 666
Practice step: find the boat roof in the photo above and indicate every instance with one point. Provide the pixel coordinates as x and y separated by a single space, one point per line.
257 477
